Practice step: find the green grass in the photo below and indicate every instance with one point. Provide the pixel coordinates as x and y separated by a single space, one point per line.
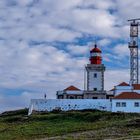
88 124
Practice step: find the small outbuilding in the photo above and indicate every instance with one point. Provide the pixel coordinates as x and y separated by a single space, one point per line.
70 92
126 102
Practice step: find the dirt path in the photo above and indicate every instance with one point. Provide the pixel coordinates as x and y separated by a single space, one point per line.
102 134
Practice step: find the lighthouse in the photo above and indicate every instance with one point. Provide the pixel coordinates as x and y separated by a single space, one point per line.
95 71
94 77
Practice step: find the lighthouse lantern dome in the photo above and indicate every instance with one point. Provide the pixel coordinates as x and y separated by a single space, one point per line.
95 55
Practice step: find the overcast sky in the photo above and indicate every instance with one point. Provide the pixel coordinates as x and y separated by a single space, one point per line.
44 45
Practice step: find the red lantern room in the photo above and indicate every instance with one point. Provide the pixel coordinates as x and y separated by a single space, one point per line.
95 56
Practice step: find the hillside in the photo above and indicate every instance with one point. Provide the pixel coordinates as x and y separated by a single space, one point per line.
81 125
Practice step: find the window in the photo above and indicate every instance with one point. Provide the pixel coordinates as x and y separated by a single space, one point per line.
71 97
123 104
118 104
94 98
95 75
136 104
60 96
79 97
95 89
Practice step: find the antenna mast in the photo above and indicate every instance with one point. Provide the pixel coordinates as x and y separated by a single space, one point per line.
133 46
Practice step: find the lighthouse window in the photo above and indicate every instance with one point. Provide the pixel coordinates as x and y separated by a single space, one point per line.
95 89
95 75
94 98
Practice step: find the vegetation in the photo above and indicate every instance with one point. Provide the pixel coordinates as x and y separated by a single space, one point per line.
81 125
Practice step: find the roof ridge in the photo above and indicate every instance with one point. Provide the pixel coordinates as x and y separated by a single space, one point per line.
123 84
71 87
128 95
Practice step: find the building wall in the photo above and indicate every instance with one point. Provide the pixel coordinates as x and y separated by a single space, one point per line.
129 105
69 94
120 89
74 96
94 95
138 91
68 104
95 82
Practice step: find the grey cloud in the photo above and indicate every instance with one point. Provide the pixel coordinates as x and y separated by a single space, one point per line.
49 68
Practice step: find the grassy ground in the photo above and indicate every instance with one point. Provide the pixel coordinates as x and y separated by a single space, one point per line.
79 125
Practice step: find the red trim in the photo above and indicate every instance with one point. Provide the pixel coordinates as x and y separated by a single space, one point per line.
95 60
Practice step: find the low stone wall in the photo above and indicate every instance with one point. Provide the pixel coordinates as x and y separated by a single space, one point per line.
68 104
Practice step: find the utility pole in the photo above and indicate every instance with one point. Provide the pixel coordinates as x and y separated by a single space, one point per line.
133 46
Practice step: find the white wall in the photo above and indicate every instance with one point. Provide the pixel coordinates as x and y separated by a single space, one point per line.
120 89
69 104
129 105
70 92
74 92
123 87
95 82
138 91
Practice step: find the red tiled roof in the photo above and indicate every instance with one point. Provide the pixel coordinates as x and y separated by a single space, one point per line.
128 95
136 86
71 88
123 84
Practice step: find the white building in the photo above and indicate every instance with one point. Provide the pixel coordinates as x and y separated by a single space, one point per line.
122 98
122 87
125 87
70 92
126 102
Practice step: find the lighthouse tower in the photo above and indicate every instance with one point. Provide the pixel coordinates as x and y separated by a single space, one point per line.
95 71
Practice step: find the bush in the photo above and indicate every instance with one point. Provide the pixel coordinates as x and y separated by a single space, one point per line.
15 112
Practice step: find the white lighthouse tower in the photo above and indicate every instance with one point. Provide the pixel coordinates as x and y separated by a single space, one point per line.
95 71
